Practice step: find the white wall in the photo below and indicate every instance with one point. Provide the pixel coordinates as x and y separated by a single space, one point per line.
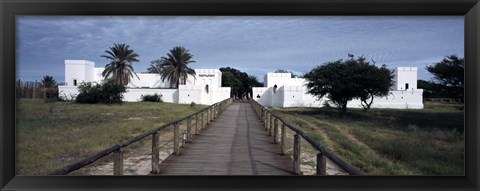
97 74
262 95
149 84
279 79
134 94
80 70
188 94
277 96
185 94
293 96
410 99
67 92
212 77
148 81
291 92
404 75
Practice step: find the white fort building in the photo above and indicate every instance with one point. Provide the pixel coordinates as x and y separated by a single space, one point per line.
281 90
204 88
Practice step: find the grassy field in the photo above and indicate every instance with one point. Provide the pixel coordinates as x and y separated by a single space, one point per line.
52 135
429 141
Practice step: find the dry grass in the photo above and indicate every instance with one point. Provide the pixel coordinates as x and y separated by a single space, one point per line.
52 135
388 141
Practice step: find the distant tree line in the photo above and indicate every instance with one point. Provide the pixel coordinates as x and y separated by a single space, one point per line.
240 82
448 80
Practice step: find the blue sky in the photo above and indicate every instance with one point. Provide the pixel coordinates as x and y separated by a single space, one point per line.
252 44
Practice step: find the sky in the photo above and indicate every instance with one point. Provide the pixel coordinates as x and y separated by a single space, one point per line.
252 44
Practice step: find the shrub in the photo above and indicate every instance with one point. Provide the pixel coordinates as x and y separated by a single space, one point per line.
112 92
192 104
108 92
51 95
152 98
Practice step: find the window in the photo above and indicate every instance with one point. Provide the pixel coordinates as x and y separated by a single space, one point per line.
206 88
274 88
75 82
406 86
258 95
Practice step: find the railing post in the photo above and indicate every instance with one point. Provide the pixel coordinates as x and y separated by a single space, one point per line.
176 139
208 115
270 128
189 129
118 162
155 154
262 115
202 123
196 124
213 113
267 123
321 164
282 140
275 131
265 117
296 154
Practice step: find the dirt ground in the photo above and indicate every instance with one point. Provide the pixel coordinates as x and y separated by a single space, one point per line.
139 163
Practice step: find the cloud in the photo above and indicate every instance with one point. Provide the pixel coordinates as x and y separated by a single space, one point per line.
255 44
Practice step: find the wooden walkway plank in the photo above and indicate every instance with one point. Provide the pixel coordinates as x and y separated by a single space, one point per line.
235 143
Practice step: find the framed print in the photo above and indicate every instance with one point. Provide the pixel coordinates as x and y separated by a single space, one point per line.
226 28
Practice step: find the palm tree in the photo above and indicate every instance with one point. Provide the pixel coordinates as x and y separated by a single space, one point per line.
175 66
120 66
48 82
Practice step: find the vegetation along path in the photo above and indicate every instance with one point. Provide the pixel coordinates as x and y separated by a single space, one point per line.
235 143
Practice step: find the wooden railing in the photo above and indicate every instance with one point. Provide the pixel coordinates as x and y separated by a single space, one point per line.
274 124
202 117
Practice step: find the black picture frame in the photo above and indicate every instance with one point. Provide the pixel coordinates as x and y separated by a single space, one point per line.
9 9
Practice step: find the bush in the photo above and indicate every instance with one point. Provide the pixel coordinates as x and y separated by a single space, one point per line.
192 104
51 95
152 98
108 92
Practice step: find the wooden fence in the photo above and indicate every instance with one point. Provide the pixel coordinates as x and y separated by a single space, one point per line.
275 124
202 118
31 90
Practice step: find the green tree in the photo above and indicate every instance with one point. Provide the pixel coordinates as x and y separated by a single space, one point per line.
50 88
335 80
449 75
120 67
155 67
48 82
240 82
431 89
229 80
341 81
175 68
373 81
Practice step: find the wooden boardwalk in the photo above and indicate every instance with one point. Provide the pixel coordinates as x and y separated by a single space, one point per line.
235 143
